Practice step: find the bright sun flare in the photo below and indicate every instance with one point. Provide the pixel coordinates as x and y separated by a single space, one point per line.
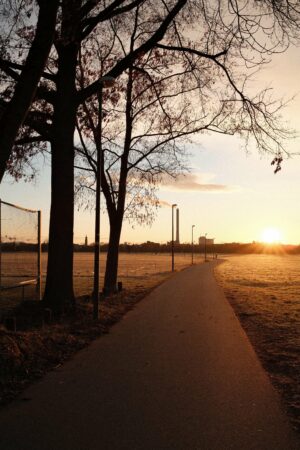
271 235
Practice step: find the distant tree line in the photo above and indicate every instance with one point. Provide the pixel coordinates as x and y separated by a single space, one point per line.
155 247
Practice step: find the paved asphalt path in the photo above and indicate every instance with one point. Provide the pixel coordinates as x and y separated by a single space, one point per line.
177 372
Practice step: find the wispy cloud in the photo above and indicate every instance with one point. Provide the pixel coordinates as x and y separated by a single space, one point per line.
164 203
194 182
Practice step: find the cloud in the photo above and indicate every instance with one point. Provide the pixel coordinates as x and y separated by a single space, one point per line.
164 203
194 182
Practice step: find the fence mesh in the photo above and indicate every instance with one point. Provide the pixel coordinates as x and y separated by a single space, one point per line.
19 252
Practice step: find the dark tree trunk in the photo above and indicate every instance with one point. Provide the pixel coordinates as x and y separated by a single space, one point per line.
112 261
116 214
59 293
15 113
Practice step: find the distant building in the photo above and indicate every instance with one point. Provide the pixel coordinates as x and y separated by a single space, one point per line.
208 241
86 241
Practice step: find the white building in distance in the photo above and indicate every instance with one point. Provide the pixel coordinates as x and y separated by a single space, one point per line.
209 241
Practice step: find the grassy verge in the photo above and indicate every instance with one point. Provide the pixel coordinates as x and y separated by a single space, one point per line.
27 355
273 336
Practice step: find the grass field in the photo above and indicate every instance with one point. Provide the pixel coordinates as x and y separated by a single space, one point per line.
135 270
264 292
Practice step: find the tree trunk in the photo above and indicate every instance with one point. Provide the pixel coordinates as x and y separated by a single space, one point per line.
59 293
15 113
112 261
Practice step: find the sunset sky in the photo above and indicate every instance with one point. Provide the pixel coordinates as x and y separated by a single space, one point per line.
230 195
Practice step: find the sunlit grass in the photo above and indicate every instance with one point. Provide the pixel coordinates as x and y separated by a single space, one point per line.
136 270
264 291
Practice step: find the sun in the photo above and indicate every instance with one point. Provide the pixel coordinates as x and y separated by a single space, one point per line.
271 235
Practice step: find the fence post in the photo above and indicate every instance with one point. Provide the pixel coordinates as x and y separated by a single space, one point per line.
39 263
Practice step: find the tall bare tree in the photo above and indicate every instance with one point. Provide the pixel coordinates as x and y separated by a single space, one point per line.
228 38
157 104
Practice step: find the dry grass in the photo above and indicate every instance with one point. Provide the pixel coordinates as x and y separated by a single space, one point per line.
264 292
133 268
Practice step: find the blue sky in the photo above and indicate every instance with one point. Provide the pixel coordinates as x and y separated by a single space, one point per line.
255 198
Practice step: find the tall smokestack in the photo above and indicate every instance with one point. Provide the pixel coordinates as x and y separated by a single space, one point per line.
177 226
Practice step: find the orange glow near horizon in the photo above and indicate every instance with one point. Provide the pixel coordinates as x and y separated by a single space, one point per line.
271 236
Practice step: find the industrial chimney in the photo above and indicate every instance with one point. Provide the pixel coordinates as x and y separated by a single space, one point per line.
177 226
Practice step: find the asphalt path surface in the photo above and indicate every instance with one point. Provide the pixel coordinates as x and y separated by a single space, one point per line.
178 372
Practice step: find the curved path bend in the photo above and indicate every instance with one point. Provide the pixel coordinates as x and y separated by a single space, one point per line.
178 372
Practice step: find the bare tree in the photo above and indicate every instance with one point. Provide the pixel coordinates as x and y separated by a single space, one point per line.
145 128
77 24
26 76
218 42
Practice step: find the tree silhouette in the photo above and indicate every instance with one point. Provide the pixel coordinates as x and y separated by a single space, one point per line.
220 42
14 106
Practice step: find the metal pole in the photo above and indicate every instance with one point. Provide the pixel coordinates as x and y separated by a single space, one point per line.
39 262
173 206
0 247
205 247
172 240
97 212
193 244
